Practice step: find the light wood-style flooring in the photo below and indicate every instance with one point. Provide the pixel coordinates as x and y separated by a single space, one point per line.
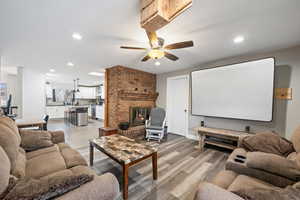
181 167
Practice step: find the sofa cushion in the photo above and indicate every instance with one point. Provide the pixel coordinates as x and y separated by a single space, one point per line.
4 170
45 164
246 182
288 193
65 172
295 157
34 139
224 178
296 139
39 152
82 170
57 136
208 191
104 187
78 170
274 164
242 168
71 157
268 142
20 168
9 139
11 124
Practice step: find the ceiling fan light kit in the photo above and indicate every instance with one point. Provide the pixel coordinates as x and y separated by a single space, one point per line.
156 53
158 50
161 8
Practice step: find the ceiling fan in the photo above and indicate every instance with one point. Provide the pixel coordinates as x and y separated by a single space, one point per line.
158 50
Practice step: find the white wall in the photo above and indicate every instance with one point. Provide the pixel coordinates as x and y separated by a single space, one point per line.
33 100
286 113
11 81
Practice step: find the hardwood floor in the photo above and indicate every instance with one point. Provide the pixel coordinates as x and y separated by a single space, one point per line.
76 137
181 167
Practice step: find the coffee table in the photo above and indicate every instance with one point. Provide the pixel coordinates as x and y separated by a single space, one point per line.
125 151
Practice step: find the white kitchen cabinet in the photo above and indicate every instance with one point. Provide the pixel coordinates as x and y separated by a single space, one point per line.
99 112
55 111
49 91
90 111
102 92
51 110
86 93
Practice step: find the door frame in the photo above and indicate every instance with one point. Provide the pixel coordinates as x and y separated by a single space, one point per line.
187 77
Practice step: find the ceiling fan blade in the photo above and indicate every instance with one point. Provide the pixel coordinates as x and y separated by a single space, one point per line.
171 56
147 57
133 48
152 38
180 45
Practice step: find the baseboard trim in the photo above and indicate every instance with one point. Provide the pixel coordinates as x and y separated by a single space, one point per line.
192 137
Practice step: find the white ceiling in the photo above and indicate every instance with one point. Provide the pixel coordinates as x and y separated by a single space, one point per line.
37 33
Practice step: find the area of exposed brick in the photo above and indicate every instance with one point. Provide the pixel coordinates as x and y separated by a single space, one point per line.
127 88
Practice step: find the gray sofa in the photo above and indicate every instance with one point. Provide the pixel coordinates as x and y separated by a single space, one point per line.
49 156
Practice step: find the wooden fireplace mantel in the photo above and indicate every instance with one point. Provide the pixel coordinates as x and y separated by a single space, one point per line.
132 96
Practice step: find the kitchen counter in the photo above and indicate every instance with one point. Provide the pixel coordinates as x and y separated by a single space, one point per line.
57 111
77 115
68 105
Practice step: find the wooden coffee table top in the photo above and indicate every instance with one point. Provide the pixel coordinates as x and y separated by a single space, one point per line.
123 149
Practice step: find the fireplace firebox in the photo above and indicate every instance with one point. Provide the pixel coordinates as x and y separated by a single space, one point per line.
138 115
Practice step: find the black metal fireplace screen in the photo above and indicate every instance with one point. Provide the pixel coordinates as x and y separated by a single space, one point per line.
138 115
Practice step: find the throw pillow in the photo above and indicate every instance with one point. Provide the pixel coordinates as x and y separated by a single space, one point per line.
33 140
268 142
31 189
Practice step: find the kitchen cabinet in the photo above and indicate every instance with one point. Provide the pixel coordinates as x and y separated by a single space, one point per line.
49 93
102 92
86 93
99 112
55 111
90 111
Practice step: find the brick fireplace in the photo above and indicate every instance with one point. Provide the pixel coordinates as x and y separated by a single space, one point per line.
138 115
130 96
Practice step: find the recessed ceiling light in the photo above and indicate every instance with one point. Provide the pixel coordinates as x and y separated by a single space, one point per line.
157 63
52 70
70 64
50 75
96 74
76 36
238 39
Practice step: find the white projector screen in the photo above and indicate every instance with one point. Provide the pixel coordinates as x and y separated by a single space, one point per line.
239 91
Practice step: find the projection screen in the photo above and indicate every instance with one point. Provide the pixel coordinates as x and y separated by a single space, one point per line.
239 91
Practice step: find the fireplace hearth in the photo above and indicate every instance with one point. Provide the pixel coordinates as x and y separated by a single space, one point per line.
138 115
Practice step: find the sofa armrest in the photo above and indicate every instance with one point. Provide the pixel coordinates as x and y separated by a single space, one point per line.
208 191
104 187
57 136
274 164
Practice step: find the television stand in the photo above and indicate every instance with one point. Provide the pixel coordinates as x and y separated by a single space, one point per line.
228 139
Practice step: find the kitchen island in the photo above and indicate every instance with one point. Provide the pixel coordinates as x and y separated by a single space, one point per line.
77 115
